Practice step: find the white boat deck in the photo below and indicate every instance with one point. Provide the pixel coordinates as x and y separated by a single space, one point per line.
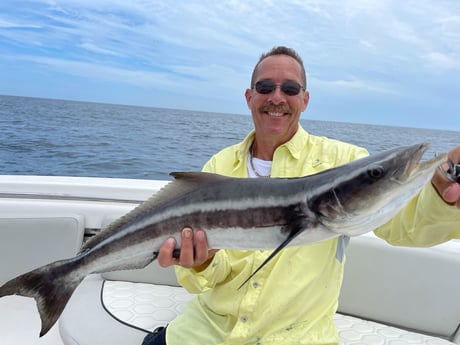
20 323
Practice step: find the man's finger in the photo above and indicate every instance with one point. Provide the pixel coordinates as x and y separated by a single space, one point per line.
165 256
187 254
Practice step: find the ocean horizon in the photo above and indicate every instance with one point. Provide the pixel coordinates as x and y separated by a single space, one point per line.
40 136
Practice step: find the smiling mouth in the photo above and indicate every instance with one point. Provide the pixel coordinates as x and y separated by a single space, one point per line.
275 114
275 111
280 112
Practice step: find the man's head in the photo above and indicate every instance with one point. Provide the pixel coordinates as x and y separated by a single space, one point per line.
277 95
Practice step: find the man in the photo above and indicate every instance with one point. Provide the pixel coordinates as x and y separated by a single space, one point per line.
293 298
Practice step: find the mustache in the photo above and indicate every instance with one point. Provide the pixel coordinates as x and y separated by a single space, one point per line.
273 108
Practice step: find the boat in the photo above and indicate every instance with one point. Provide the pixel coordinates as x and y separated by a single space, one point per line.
390 295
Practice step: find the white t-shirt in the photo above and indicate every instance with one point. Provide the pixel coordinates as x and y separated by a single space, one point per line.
262 167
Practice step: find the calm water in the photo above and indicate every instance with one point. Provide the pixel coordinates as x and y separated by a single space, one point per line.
57 137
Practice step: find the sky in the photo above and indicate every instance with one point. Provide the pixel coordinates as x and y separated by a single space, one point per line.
388 62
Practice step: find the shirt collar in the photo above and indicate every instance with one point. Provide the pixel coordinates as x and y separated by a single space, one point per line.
294 145
243 149
297 142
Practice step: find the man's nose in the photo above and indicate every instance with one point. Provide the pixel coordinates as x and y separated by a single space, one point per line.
277 96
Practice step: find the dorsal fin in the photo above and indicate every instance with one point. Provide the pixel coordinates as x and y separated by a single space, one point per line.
183 183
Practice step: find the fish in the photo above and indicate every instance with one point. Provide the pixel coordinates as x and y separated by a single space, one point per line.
238 213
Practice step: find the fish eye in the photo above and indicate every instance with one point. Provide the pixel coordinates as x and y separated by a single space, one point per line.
375 171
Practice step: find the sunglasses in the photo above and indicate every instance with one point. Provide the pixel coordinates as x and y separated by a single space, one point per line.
290 88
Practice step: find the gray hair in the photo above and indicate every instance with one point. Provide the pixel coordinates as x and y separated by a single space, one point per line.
281 50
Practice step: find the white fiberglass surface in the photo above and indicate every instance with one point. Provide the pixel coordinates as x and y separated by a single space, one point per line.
20 323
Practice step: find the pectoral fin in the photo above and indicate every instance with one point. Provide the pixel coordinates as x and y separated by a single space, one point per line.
293 233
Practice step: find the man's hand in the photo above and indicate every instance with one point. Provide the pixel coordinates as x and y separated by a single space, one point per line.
194 252
448 190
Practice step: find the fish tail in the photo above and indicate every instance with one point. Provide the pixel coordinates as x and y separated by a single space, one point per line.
51 286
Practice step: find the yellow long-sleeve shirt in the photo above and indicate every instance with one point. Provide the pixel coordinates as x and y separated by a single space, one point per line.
293 298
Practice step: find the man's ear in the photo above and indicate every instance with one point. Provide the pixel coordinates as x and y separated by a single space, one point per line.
248 96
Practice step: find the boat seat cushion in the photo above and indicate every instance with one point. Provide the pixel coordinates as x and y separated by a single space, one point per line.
125 311
41 239
412 288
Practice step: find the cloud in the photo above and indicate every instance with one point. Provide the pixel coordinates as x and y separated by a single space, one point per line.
398 51
7 24
136 77
95 49
354 85
442 61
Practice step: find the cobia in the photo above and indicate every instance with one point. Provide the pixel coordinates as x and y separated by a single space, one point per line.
238 213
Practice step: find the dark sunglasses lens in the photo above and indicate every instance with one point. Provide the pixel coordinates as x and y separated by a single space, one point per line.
265 86
291 88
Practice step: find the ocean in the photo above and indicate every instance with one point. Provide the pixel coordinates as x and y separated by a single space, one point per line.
69 138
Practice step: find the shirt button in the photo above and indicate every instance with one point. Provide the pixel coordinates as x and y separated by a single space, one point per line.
244 319
255 284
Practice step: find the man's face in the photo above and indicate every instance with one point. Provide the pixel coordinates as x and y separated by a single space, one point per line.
276 114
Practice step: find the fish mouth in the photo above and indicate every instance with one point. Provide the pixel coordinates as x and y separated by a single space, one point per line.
415 161
416 164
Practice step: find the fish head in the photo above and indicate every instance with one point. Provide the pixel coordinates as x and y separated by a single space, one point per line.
368 192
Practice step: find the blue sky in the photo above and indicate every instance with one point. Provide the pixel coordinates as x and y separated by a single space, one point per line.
387 62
